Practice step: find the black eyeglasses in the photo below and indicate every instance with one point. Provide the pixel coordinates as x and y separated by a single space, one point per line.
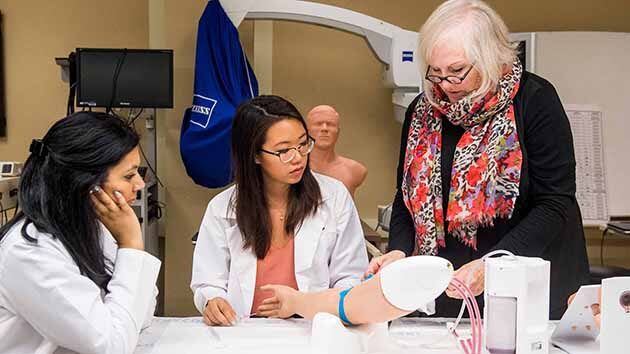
453 79
288 154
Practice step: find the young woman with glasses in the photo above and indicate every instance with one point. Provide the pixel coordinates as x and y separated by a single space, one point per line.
486 159
278 224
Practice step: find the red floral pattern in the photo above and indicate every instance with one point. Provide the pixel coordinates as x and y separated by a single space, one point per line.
486 166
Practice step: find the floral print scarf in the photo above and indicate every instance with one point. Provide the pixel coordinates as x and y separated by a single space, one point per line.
486 168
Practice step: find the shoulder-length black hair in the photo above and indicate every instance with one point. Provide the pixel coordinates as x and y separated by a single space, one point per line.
75 155
253 119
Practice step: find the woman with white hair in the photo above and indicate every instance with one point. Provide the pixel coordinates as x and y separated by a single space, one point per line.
486 160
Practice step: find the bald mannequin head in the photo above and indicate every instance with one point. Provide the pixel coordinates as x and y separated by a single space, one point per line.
323 125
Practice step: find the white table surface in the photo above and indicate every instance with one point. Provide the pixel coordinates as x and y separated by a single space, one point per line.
189 335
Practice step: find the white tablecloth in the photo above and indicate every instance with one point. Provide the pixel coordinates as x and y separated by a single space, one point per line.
191 336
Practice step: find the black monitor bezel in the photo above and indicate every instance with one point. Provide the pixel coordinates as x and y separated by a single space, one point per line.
79 99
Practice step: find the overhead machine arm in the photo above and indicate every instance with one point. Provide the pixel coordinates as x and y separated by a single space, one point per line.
393 46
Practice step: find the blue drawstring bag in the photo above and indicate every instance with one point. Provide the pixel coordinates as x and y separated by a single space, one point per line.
223 80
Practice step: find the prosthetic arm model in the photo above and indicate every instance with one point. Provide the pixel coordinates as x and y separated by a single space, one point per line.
397 290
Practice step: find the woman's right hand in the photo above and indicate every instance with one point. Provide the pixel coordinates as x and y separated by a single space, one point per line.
377 263
284 303
219 312
118 218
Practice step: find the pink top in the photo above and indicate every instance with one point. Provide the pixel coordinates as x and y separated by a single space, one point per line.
278 267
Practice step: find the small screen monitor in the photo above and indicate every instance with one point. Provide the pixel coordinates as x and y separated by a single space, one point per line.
134 77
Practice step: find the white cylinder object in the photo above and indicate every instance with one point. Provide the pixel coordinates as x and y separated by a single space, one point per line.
501 327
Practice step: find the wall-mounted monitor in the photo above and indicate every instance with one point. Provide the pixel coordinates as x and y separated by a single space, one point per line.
124 77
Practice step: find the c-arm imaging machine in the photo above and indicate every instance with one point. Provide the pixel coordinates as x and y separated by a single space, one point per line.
393 46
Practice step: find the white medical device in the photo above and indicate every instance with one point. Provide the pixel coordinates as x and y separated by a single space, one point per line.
10 168
407 284
9 192
615 312
577 332
516 312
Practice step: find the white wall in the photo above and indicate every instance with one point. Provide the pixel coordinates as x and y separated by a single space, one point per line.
594 68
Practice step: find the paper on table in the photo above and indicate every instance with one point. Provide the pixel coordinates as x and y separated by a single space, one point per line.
272 335
577 345
426 334
186 340
274 322
150 336
166 335
191 335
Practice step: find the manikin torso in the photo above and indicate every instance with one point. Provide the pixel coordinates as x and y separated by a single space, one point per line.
323 126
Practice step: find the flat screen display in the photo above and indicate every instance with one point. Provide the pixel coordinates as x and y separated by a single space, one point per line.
124 77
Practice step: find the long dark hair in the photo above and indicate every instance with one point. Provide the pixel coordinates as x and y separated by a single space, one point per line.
75 155
253 119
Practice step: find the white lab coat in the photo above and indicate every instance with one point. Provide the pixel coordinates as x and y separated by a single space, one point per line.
329 250
47 306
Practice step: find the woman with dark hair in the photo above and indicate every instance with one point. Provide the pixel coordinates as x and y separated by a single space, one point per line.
278 224
73 272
